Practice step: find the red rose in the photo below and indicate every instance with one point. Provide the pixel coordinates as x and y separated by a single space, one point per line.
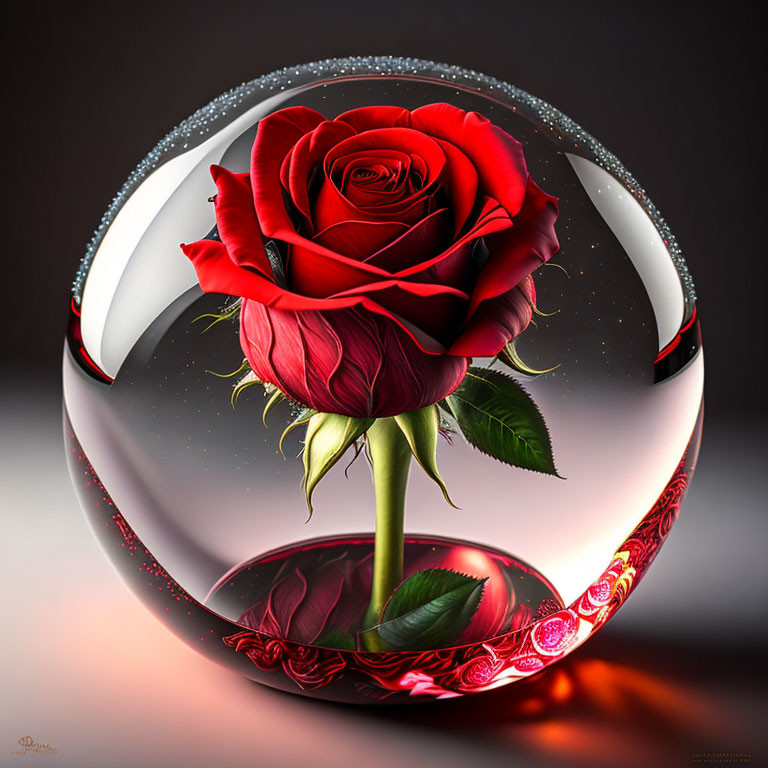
555 634
478 673
402 245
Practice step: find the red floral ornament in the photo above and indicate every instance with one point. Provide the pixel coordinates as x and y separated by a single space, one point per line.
399 245
308 666
526 650
478 673
556 633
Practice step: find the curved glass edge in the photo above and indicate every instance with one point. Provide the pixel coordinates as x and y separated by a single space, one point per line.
196 128
354 676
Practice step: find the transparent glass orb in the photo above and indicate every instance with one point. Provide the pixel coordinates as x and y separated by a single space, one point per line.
207 520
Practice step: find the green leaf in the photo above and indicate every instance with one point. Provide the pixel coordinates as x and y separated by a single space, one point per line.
421 431
430 609
497 416
328 436
336 638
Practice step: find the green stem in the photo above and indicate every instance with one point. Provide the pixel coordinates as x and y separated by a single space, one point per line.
391 459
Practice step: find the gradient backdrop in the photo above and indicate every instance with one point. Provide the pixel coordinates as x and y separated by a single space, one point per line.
676 93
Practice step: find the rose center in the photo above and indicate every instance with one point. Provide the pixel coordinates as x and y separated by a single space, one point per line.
376 177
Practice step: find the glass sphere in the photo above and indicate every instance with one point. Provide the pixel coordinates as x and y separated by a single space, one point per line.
203 512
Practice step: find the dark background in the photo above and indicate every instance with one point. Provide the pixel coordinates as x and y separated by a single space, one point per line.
674 90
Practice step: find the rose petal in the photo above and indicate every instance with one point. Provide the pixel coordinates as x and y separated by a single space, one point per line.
284 599
331 207
412 246
311 617
496 155
516 252
307 153
327 207
456 266
359 239
218 274
276 134
368 118
389 158
491 218
236 220
437 310
389 178
496 322
350 361
460 180
317 272
402 139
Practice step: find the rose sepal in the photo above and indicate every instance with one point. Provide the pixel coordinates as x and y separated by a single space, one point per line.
275 397
301 418
328 437
510 357
421 429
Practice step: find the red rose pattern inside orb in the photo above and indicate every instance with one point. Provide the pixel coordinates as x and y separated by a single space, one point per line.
377 253
556 633
313 596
